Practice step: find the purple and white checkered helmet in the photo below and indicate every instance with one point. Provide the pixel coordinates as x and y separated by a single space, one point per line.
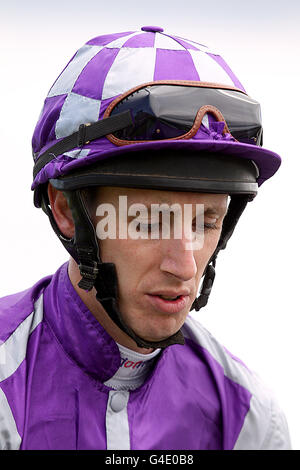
106 67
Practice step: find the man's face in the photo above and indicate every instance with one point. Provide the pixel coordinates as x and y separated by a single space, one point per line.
158 277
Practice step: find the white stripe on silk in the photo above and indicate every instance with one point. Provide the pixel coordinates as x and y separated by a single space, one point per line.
117 426
264 416
208 69
132 66
233 369
14 352
255 434
16 345
66 81
10 439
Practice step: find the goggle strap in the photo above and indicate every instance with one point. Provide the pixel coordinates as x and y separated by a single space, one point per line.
85 134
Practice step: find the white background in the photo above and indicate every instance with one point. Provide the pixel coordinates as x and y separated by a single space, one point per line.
254 307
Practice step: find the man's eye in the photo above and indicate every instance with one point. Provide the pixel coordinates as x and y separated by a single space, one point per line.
206 226
210 226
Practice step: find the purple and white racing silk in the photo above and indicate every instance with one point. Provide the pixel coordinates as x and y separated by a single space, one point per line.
56 386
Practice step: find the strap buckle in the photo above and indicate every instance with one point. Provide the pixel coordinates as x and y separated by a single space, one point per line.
89 275
206 287
81 138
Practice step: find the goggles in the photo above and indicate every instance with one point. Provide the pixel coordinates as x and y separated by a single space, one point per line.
167 110
174 110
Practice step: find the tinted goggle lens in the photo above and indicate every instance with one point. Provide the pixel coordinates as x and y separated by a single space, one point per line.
169 111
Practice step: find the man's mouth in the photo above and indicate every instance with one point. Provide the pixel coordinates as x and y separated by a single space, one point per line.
165 297
169 302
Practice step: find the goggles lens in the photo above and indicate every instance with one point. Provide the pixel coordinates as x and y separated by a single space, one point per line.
168 111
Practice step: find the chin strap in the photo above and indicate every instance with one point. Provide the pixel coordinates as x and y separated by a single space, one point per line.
206 287
84 248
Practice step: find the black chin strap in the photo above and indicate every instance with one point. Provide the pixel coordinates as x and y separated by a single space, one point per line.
84 248
206 287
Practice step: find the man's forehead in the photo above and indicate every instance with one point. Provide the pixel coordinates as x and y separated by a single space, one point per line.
153 196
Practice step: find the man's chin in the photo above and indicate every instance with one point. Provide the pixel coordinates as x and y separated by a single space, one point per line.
155 327
156 336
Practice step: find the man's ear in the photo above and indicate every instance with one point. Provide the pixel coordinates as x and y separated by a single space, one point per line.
61 211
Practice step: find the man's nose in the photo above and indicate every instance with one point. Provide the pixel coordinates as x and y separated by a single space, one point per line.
177 259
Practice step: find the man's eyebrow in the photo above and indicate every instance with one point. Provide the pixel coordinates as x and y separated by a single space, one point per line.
215 210
209 209
149 204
